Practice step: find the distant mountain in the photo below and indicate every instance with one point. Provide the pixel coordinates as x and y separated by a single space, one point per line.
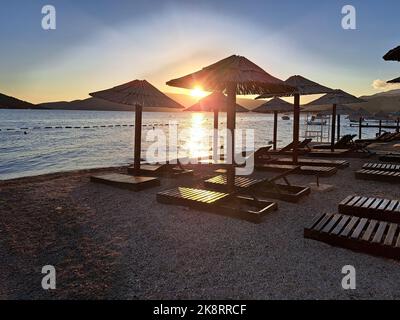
7 102
102 105
388 101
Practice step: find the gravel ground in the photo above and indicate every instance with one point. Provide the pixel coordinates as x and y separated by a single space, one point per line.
108 243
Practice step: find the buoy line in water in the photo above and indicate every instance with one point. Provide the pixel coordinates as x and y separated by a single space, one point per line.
83 127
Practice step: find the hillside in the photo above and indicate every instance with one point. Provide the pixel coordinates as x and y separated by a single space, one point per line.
7 102
386 101
101 105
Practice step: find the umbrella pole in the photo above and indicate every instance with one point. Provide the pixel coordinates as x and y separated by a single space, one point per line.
398 125
230 123
360 128
338 127
215 142
275 128
138 139
333 128
296 127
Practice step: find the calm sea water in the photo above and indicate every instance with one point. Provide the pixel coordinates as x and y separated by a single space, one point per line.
36 142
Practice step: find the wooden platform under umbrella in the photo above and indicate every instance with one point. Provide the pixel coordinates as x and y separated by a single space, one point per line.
275 106
335 98
139 94
232 75
303 86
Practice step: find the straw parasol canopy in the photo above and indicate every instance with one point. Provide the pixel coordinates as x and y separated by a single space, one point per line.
276 106
340 110
246 76
215 101
397 80
393 55
335 98
139 94
232 75
303 86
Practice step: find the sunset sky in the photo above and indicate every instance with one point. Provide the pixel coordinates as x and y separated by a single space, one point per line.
99 44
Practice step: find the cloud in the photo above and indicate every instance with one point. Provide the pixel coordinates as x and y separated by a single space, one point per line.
379 84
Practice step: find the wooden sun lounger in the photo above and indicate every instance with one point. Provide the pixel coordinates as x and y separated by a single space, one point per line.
378 175
365 235
262 187
371 208
306 170
343 143
231 205
380 138
173 169
302 148
382 166
390 158
339 153
125 181
340 164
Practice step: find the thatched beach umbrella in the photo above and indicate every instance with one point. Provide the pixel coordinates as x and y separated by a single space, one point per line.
334 99
215 102
139 94
303 86
233 75
275 106
393 55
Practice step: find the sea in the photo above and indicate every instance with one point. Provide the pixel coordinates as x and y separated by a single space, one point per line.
35 142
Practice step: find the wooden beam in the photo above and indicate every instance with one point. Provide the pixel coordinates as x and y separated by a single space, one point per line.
275 128
138 139
231 124
333 128
296 127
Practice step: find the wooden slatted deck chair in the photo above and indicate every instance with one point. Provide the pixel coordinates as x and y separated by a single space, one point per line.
371 208
375 237
265 187
343 143
232 205
382 166
379 138
391 157
305 170
171 169
355 149
378 175
340 164
303 148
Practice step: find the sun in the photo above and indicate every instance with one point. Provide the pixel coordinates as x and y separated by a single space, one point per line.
198 92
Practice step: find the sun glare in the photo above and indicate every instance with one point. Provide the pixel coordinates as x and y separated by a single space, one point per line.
198 92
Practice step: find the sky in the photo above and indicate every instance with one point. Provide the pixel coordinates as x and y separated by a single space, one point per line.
98 44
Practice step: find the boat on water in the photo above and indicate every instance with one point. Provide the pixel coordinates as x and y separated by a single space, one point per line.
285 117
